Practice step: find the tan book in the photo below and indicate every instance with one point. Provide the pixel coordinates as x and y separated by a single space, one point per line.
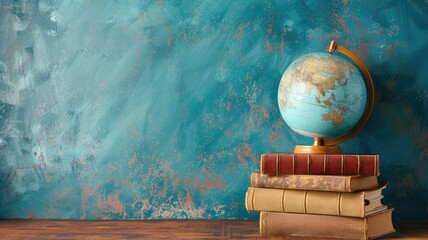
308 225
355 204
315 182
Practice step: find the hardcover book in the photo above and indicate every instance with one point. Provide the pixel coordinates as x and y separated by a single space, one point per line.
319 164
355 204
315 182
308 225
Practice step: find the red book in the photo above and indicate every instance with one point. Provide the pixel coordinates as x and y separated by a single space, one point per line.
319 164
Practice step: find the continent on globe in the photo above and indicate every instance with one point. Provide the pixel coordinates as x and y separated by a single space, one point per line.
322 95
335 117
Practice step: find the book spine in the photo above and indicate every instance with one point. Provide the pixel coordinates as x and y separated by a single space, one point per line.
304 201
319 164
291 224
308 182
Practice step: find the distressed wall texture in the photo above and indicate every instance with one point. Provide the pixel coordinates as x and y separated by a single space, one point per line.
161 109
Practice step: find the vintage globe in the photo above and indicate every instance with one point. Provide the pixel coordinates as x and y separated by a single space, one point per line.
322 95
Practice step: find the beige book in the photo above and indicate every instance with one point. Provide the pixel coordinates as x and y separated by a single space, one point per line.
333 183
308 225
355 204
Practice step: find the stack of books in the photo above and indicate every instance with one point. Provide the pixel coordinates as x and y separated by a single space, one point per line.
331 196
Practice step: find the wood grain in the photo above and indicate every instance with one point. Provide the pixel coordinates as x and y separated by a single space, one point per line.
162 229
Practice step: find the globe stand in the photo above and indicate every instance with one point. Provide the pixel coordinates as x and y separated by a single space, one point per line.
322 146
317 148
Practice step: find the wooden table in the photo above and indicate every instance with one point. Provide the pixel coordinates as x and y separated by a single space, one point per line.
162 229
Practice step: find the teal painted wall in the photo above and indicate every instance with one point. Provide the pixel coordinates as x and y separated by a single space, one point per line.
161 109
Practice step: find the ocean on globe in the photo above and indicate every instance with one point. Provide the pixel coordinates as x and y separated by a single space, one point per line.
322 95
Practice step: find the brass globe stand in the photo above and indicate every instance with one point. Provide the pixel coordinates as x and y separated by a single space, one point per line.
319 147
322 146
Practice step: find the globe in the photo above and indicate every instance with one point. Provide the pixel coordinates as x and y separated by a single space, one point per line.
322 95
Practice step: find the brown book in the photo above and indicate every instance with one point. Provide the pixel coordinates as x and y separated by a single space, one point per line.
319 164
355 204
308 225
315 182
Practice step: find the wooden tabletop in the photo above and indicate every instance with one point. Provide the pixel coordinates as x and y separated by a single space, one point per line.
162 229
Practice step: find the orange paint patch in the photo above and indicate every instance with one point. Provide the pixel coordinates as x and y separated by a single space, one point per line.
207 185
86 192
189 200
241 30
176 182
216 183
273 136
110 203
245 151
228 105
329 37
220 154
269 47
269 29
206 171
132 161
343 25
364 51
167 175
265 115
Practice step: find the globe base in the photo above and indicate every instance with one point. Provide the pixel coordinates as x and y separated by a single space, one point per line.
302 149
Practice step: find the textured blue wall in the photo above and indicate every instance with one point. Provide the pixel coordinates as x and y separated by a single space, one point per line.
161 109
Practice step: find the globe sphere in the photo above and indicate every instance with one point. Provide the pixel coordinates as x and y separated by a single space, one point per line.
322 95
